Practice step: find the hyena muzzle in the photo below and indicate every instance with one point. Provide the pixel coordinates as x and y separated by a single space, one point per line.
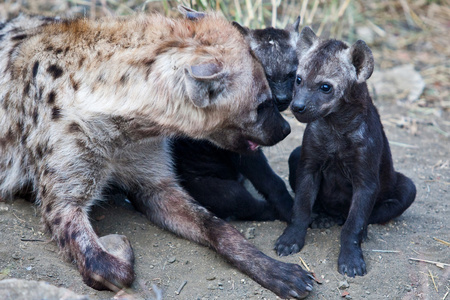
85 104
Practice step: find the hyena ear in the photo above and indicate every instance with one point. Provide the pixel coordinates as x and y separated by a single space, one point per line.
294 26
190 13
306 40
242 29
246 33
362 58
204 83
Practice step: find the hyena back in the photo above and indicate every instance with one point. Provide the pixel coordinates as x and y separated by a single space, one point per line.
87 103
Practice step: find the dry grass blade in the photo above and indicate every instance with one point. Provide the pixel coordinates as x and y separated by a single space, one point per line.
438 264
304 264
441 241
432 279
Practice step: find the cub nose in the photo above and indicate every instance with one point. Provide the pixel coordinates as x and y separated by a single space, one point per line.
286 129
298 107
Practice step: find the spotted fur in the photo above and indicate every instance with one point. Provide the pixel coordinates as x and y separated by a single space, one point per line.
87 103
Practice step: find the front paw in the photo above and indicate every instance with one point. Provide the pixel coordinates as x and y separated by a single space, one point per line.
351 262
286 280
291 241
111 269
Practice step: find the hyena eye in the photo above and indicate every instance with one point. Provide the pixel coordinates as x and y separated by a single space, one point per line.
326 88
298 80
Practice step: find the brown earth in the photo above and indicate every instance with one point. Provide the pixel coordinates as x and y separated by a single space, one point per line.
165 261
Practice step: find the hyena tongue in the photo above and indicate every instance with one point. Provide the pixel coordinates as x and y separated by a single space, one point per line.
253 146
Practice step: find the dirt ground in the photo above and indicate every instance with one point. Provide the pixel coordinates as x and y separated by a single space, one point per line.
165 261
420 144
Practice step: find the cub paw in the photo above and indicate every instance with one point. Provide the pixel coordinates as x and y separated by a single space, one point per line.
291 241
352 263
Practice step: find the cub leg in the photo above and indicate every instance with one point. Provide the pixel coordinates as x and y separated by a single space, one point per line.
403 196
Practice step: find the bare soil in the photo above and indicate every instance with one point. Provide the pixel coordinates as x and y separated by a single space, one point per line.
419 133
165 261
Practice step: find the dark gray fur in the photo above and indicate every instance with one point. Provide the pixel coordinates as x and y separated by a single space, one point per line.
344 167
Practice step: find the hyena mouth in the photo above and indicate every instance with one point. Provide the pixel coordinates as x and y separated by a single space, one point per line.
252 145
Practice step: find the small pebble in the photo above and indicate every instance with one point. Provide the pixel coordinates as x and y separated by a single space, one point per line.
16 255
343 285
250 233
212 277
3 207
171 259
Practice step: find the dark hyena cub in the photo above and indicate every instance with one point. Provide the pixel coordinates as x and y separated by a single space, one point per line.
344 167
214 176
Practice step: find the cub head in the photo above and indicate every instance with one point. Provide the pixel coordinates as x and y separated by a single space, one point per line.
276 50
326 74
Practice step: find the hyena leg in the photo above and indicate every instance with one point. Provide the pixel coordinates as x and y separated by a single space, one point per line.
229 198
256 168
403 197
293 161
105 263
169 206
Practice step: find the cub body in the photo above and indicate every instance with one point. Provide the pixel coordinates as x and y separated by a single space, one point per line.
344 167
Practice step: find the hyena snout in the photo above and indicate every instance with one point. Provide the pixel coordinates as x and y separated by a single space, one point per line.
274 128
304 108
282 94
298 107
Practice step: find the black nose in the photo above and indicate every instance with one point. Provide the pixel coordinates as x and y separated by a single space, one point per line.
283 98
286 128
298 107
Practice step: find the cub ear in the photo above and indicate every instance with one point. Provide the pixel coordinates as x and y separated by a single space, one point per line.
362 58
307 39
294 26
204 83
190 13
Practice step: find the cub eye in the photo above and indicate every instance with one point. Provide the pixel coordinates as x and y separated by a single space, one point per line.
326 88
298 80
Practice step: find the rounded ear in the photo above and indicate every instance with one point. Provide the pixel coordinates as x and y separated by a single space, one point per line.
190 13
362 58
294 26
204 83
242 29
307 39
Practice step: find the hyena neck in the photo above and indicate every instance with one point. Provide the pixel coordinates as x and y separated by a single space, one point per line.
352 110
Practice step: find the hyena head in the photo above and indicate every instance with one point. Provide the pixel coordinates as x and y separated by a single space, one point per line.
276 50
234 85
242 94
326 74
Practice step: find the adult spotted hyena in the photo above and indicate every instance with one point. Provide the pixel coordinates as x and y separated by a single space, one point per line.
87 103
